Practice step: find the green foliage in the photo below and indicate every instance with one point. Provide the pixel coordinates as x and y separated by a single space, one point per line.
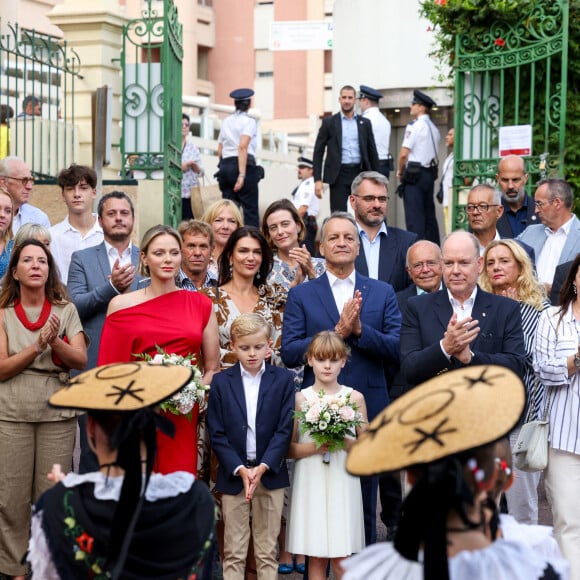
453 17
474 18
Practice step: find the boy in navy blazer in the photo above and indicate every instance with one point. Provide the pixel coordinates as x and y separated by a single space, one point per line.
249 418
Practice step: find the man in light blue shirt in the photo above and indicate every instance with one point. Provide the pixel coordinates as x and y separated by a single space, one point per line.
348 142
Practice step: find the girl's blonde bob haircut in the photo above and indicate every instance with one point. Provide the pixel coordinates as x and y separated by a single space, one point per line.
327 345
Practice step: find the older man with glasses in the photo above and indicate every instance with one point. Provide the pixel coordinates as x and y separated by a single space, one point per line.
15 176
383 248
484 210
557 239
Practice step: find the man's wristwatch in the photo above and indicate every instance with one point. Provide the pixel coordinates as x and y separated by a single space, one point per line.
577 361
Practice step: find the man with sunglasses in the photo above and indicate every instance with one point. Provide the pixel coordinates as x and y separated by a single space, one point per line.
557 239
383 249
15 177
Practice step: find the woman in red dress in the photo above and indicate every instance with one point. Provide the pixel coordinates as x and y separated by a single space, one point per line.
161 315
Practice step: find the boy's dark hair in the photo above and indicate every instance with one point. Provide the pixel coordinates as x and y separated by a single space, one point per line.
73 175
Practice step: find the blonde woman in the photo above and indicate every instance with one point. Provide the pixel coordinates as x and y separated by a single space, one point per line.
508 272
224 217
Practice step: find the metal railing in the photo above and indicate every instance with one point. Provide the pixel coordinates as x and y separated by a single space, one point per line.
37 76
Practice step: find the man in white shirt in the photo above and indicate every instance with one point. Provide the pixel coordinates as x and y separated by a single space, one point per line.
557 239
368 100
80 228
15 177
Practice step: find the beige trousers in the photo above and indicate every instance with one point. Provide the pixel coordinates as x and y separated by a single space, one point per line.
27 454
562 479
266 511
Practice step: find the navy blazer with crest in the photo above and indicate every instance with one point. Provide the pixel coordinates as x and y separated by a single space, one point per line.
500 340
311 308
227 423
329 138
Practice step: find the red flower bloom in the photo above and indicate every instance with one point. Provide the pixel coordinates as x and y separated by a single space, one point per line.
441 2
499 42
85 542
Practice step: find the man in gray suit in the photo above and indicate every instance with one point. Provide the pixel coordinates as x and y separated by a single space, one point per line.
98 274
557 239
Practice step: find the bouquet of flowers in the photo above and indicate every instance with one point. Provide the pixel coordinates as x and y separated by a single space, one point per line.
329 421
182 402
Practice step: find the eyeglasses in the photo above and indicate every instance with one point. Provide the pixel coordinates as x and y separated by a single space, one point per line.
24 180
541 204
430 264
372 198
480 207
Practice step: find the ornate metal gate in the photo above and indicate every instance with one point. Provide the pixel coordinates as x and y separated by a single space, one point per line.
513 75
151 142
37 84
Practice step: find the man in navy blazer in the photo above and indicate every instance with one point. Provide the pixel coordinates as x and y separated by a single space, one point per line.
554 200
460 325
361 310
92 283
350 147
383 248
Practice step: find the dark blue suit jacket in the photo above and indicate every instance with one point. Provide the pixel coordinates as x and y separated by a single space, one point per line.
227 423
392 258
500 340
311 308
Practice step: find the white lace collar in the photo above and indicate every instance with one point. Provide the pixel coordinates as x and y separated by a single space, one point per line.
109 488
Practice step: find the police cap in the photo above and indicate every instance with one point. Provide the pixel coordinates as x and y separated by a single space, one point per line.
421 98
305 162
241 94
369 93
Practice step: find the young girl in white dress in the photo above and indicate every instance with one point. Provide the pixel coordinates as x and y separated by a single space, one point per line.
326 514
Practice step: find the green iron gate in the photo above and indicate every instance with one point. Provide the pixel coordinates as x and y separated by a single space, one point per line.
515 74
151 61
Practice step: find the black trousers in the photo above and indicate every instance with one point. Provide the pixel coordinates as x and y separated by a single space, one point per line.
311 230
247 196
340 189
420 207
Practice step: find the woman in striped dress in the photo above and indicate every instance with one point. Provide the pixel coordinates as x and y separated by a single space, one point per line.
557 364
508 272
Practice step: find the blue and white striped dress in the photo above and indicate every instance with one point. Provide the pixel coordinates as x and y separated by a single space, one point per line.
555 341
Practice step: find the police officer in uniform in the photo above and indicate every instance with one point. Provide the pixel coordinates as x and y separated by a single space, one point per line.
237 175
417 169
368 99
306 201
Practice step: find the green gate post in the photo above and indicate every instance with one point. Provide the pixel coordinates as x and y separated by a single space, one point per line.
514 74
151 61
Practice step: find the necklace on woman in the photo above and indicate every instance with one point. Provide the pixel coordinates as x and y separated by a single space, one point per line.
21 315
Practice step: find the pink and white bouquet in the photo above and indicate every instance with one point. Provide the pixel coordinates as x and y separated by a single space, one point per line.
329 421
182 402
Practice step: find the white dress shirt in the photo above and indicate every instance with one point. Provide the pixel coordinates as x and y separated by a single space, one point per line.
66 239
551 251
342 289
251 391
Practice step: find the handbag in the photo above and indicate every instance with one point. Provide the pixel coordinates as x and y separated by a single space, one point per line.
202 196
531 449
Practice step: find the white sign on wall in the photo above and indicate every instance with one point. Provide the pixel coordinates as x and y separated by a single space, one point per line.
515 140
301 35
